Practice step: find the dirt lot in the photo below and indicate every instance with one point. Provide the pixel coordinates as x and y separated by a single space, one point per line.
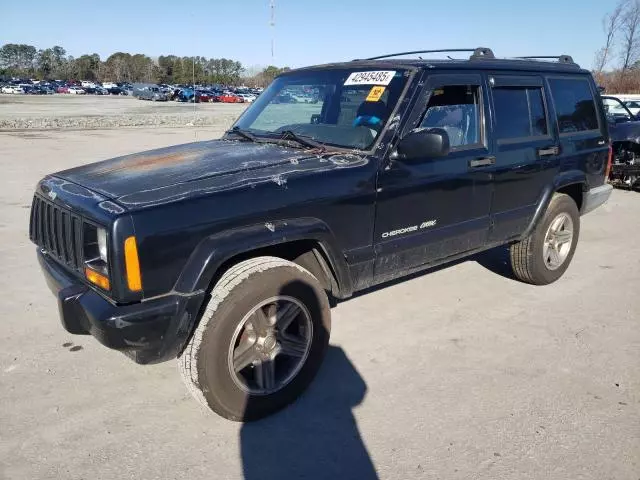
95 111
460 373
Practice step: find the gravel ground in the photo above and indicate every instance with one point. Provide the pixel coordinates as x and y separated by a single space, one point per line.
35 112
461 373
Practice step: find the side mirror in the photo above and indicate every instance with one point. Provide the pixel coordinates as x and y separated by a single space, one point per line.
424 143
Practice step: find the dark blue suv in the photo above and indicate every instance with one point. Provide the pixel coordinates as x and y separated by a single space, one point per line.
224 253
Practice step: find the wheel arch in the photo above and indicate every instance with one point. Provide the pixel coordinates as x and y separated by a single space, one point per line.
306 241
572 183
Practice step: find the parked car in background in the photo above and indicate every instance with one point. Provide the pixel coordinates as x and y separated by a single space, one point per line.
62 89
76 91
34 90
152 93
109 85
47 89
285 98
185 95
633 106
247 97
624 128
228 97
12 89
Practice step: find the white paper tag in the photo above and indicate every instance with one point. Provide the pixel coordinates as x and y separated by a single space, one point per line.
380 77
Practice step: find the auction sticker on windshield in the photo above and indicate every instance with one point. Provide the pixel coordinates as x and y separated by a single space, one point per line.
380 77
375 94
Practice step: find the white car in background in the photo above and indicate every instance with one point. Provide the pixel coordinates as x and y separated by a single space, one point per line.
108 85
76 91
247 97
12 89
633 106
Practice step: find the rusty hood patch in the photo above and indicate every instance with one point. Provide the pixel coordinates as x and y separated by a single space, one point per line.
196 169
178 164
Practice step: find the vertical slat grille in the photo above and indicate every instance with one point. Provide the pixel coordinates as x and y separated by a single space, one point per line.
56 230
46 210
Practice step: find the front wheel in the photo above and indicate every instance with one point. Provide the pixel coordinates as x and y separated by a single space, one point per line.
546 253
260 341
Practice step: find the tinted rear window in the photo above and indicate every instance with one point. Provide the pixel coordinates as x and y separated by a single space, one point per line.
575 107
519 112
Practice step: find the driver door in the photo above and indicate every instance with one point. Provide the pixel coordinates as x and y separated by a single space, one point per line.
430 209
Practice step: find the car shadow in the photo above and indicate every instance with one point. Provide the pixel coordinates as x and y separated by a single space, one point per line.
316 437
496 260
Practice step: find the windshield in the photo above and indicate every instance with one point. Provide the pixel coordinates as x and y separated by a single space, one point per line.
341 107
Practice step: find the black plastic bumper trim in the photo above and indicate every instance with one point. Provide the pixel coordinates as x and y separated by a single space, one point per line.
150 331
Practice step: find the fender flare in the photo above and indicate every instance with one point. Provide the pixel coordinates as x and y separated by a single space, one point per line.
213 251
564 179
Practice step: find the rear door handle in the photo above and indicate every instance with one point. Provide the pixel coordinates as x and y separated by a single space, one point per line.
482 162
546 152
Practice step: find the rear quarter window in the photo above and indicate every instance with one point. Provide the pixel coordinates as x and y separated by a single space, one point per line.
574 103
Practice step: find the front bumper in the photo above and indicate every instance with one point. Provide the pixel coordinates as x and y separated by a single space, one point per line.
595 197
151 331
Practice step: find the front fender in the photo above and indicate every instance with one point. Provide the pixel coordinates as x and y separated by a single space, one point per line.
564 179
212 252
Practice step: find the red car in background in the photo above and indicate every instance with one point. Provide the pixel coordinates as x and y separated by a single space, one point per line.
204 96
228 97
62 89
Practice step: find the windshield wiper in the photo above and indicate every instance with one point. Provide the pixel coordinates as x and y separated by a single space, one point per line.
243 133
301 139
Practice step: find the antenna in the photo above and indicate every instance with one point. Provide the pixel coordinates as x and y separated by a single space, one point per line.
272 24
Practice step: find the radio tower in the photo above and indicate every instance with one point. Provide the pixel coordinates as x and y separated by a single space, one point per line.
272 24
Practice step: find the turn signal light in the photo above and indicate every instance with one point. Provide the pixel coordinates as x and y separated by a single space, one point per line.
134 280
97 278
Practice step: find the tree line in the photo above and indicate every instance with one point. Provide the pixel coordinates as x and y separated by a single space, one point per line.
25 61
617 64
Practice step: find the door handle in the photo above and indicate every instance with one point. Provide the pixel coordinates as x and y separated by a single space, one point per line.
482 162
546 152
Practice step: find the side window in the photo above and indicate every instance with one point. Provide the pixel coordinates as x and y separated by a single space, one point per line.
519 112
455 109
575 108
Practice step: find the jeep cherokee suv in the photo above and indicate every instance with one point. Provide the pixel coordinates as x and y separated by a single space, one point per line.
224 253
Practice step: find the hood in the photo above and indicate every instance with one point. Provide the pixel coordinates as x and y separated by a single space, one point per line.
145 171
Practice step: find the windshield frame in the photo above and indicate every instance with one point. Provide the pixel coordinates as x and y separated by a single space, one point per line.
409 69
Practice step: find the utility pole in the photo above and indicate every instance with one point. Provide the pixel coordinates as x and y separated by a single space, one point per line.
272 24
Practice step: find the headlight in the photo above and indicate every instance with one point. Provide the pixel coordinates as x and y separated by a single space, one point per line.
96 256
102 244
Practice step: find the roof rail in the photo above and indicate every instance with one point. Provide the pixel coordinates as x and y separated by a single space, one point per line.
558 58
480 52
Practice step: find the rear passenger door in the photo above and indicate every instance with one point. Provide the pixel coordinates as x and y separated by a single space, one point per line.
582 129
525 149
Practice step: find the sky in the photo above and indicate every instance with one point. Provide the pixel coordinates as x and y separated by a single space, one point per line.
307 32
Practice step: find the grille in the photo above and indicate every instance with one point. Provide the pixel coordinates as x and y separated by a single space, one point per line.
56 230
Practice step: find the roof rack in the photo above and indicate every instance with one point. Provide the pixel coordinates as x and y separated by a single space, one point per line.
558 58
480 52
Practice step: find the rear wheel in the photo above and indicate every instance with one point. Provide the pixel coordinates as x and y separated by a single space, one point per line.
260 340
546 253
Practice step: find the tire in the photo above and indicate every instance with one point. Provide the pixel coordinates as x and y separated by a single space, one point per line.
207 362
528 256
